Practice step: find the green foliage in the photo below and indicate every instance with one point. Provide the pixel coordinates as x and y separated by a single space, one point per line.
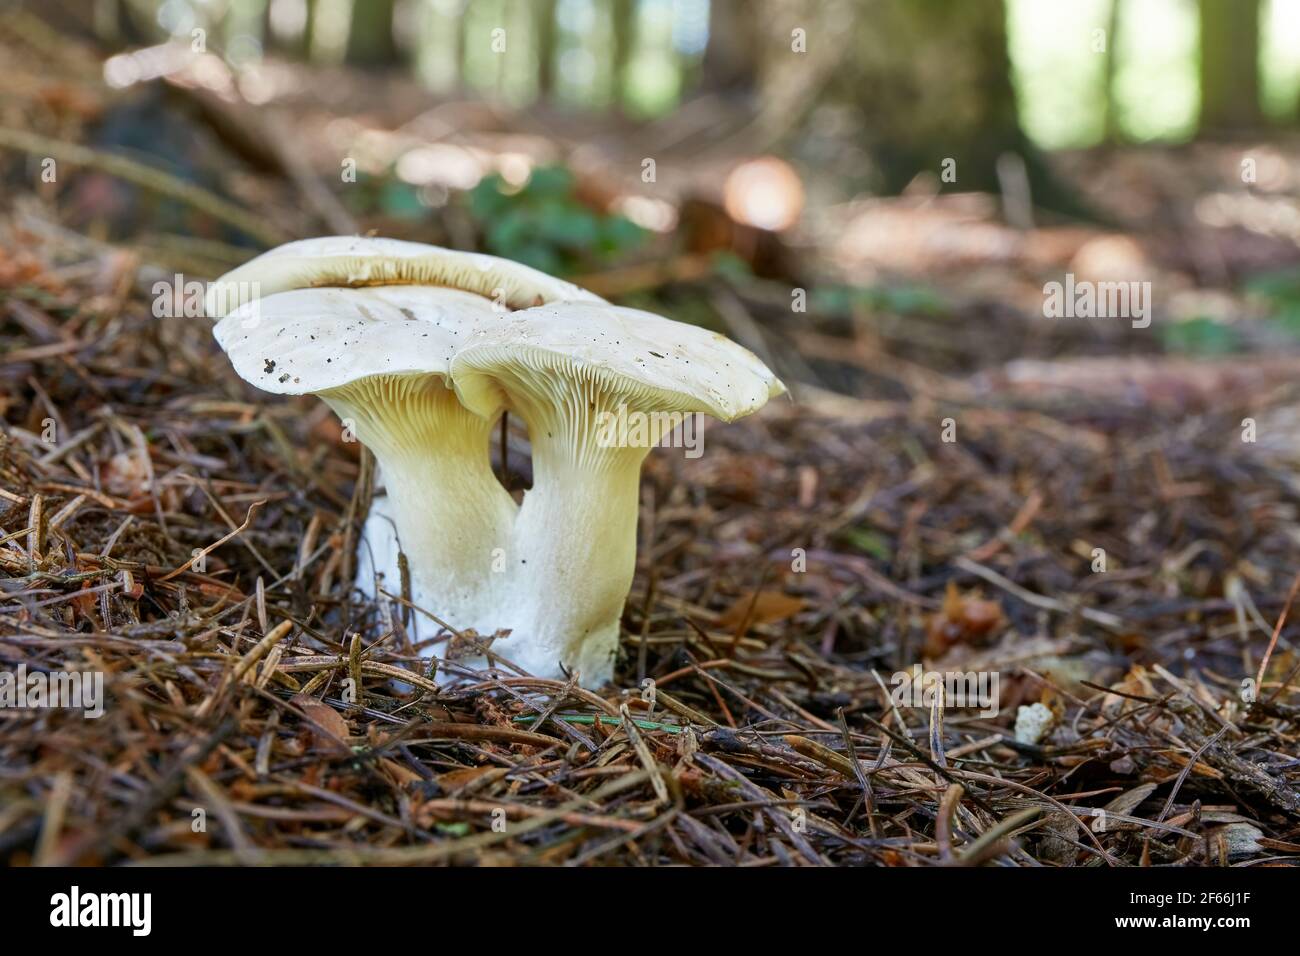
453 829
385 195
1200 336
401 200
898 299
867 541
545 225
732 267
1280 293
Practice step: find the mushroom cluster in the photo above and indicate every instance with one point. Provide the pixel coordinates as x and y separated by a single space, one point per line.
420 350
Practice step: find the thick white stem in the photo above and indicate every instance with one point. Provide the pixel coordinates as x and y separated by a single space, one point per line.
452 516
572 560
454 531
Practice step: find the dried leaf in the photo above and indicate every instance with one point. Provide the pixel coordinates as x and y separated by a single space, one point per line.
329 729
963 619
454 780
767 608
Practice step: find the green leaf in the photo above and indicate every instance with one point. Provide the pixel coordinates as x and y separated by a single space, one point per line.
401 201
1279 286
453 829
618 233
540 256
567 226
545 225
909 300
1200 336
549 182
867 541
486 199
508 231
831 300
731 267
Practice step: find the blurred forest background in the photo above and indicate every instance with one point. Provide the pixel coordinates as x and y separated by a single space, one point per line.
1083 71
767 135
421 100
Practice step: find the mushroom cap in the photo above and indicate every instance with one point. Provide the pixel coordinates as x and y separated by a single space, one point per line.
311 340
356 262
650 362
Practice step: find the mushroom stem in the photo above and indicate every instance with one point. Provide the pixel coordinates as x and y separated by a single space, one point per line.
573 548
598 387
450 512
573 558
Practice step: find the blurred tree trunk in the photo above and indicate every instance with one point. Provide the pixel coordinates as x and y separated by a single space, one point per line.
546 35
370 35
732 61
113 25
243 21
624 44
927 84
1229 66
456 30
1112 131
308 35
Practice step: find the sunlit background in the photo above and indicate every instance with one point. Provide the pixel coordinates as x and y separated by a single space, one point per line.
1138 83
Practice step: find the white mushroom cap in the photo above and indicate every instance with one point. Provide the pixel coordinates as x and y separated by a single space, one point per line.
354 262
565 368
645 360
311 340
380 358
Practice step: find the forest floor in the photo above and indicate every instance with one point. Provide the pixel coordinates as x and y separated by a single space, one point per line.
785 578
1101 522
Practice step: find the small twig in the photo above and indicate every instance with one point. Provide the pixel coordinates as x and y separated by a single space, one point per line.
203 553
987 845
943 820
1277 631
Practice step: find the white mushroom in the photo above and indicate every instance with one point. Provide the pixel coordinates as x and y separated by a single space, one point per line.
416 348
575 371
357 262
380 357
461 287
